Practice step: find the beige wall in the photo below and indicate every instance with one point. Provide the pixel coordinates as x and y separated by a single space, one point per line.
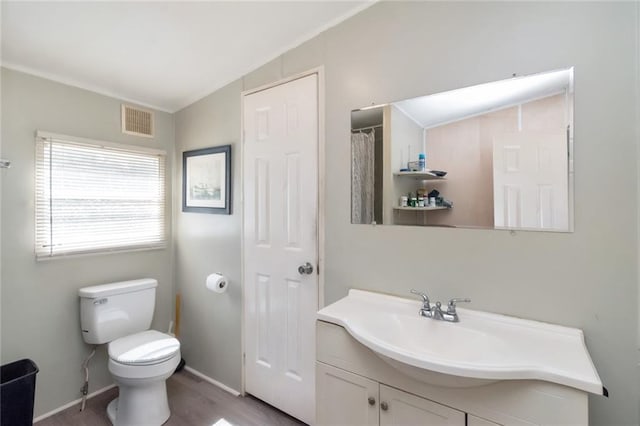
637 93
461 150
206 243
40 307
407 139
531 275
585 279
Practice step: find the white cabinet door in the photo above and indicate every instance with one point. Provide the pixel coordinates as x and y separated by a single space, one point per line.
345 398
401 408
477 421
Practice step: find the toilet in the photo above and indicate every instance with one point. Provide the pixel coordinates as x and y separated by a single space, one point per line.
140 360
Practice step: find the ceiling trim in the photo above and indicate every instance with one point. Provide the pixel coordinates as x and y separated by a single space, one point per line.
74 83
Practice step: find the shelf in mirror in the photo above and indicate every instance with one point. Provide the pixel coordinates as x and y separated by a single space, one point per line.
421 208
420 175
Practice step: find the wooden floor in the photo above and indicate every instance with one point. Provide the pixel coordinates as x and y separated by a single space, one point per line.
192 401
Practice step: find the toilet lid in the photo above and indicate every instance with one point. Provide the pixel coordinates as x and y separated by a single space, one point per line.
148 347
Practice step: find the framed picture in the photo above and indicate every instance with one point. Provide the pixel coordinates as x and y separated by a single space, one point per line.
206 180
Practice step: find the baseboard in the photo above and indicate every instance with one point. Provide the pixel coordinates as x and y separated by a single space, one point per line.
212 381
106 388
72 403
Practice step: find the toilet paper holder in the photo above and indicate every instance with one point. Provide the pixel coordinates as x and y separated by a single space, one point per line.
217 282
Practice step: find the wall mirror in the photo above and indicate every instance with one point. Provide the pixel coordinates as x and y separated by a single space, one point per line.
497 155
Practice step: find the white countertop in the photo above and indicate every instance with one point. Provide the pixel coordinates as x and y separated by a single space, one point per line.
481 346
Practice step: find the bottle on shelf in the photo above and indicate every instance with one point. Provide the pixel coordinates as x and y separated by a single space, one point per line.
422 162
413 200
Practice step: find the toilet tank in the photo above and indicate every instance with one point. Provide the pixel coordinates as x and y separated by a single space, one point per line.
110 311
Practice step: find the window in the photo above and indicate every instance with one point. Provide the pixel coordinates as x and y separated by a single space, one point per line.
96 196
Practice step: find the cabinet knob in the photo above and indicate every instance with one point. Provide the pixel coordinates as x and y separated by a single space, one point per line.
384 406
372 400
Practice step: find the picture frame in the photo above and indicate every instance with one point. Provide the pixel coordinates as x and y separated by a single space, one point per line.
206 180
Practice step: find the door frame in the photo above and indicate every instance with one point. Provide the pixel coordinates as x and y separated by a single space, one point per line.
320 228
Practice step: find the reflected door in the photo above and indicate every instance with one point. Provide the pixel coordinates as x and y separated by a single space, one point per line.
280 236
530 181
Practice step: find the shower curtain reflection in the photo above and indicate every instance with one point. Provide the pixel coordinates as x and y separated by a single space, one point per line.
362 177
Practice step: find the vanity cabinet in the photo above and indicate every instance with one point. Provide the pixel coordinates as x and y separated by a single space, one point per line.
345 398
355 386
402 408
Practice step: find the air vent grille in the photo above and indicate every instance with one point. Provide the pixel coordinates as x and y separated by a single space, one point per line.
136 121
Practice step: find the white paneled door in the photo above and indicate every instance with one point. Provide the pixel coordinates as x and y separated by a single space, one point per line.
530 181
281 244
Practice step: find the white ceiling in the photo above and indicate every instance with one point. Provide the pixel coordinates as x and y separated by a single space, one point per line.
162 55
446 107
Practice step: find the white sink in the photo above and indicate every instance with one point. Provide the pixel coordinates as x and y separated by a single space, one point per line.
482 348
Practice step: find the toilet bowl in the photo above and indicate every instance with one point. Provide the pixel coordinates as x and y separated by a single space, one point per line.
140 360
140 364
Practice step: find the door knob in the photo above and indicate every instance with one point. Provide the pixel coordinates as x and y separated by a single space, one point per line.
305 269
372 400
384 406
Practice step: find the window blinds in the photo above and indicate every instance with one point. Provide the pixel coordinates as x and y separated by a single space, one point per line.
96 196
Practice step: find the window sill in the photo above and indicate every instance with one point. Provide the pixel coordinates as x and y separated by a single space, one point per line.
99 252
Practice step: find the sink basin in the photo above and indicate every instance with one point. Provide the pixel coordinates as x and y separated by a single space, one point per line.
480 349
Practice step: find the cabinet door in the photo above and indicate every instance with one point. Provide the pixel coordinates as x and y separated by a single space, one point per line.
345 398
401 408
477 421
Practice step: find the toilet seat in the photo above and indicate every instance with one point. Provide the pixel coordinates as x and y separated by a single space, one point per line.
143 349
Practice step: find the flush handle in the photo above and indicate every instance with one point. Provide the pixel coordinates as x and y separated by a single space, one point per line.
305 269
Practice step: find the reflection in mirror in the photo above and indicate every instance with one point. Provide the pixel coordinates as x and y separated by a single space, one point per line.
497 155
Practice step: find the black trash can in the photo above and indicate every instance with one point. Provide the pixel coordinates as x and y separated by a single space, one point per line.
17 392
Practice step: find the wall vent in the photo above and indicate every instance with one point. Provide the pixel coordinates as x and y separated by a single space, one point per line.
136 121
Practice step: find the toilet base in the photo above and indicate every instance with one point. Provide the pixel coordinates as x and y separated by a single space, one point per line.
147 405
112 408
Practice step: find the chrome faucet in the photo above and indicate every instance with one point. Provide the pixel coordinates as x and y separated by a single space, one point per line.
450 314
436 312
425 311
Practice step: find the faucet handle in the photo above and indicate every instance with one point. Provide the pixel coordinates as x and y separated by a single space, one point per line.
451 307
424 296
